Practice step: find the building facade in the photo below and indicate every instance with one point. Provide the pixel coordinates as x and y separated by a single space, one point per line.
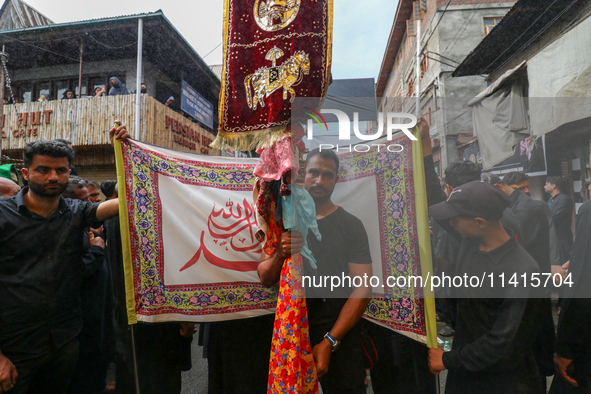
47 59
449 31
544 49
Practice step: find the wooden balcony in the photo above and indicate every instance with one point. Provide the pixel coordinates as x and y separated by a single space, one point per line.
87 121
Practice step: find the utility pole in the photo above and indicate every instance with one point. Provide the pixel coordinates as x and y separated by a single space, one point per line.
138 83
443 147
418 70
2 83
80 71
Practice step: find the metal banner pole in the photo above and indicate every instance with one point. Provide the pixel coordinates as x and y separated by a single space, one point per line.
418 72
138 92
80 71
2 106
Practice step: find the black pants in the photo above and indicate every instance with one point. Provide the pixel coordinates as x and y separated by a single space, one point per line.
346 374
402 365
91 369
160 354
48 374
238 355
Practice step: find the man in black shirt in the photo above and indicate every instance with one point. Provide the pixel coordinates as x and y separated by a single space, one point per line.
561 206
344 249
492 349
532 216
40 272
573 349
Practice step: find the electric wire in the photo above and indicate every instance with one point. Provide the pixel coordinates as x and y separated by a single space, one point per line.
535 36
210 52
463 27
435 28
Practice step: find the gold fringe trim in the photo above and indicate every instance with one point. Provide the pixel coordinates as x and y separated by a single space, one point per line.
249 140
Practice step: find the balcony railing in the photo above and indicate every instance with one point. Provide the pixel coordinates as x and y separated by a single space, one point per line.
87 121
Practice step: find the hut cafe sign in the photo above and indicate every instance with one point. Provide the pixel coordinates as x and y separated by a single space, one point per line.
185 135
27 123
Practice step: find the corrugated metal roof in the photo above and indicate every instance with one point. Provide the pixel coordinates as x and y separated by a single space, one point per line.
514 33
141 14
16 32
217 70
16 14
29 15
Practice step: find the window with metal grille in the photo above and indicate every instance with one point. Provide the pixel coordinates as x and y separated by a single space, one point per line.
424 63
411 28
490 23
417 10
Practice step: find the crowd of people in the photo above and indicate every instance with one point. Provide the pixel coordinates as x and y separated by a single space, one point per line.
63 319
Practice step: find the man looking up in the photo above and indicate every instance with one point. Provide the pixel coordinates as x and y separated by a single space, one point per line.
344 249
40 271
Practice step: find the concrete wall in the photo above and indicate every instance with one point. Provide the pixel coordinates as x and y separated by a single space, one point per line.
460 30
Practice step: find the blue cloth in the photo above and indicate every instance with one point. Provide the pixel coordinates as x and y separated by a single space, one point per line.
299 214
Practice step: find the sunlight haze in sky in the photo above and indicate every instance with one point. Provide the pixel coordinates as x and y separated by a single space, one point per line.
361 28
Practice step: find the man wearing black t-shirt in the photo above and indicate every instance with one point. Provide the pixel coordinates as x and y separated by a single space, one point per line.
344 248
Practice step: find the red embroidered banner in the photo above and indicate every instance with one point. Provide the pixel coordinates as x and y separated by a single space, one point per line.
274 51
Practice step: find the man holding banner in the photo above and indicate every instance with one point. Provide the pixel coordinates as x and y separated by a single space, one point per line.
40 271
493 347
343 250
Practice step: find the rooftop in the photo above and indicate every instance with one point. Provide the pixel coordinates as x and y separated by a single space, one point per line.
112 38
16 14
403 13
521 26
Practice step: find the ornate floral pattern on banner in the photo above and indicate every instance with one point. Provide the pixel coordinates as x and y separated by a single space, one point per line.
154 298
400 307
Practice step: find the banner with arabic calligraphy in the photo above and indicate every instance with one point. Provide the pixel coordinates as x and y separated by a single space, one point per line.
191 253
386 191
274 51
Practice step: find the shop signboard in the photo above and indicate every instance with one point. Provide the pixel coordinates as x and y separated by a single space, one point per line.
195 105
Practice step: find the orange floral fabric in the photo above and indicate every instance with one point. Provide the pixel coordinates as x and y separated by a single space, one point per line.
292 368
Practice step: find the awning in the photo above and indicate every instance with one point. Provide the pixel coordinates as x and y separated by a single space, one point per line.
499 117
560 81
499 82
